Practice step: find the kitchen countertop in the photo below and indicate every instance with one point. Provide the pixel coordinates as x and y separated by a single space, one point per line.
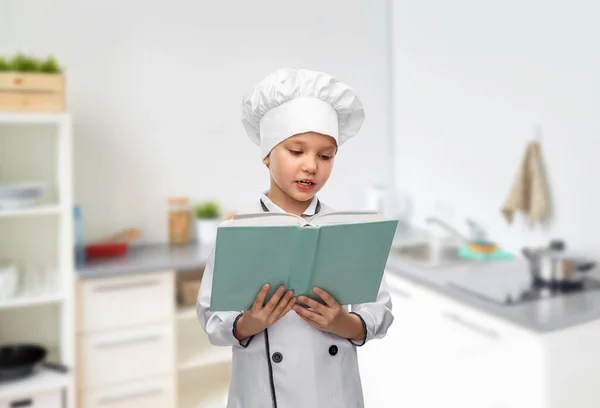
147 258
161 256
540 316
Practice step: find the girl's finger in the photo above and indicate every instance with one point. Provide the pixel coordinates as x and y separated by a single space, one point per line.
259 301
313 304
313 324
281 305
315 317
327 298
274 300
287 308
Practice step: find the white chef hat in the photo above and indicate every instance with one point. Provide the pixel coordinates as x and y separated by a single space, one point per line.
292 101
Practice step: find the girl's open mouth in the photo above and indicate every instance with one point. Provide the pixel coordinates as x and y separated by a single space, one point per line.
305 184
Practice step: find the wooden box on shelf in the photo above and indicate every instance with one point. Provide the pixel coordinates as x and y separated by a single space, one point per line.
188 285
32 92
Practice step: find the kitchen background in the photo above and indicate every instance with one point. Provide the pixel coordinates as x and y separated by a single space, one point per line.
453 93
155 89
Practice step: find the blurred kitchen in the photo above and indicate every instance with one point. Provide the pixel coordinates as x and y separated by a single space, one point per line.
121 148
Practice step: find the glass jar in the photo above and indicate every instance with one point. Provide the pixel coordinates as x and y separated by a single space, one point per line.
180 220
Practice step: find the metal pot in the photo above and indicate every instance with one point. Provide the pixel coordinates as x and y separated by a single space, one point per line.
553 268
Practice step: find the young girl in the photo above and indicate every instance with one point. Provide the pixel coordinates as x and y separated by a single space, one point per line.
286 355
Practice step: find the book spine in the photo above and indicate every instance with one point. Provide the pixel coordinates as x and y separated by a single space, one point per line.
303 253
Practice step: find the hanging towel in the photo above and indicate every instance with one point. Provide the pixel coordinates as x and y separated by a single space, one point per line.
528 193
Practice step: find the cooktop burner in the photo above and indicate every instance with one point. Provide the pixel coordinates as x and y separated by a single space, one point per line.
516 289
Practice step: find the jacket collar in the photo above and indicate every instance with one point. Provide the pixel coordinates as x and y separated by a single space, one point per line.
312 208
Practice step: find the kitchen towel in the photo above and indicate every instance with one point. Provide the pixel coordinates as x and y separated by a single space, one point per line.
528 193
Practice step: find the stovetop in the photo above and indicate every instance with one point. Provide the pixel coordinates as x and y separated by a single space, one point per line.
517 289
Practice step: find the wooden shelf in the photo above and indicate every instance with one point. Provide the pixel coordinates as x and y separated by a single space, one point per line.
190 400
33 118
32 211
205 388
44 380
21 301
37 146
192 358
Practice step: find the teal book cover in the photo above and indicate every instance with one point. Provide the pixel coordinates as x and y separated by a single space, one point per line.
344 253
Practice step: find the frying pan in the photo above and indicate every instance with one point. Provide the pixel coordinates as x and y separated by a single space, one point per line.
21 360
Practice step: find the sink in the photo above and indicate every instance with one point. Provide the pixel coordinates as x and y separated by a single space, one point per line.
424 254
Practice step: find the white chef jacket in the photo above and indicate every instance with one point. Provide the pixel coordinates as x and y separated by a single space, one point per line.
292 364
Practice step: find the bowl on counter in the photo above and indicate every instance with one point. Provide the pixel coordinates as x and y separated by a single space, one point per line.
20 195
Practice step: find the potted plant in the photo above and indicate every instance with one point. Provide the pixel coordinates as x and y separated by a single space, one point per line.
29 84
207 214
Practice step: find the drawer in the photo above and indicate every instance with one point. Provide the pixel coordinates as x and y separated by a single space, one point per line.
50 399
472 319
125 301
124 355
156 392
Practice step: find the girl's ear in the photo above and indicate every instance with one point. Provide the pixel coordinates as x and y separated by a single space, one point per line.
267 161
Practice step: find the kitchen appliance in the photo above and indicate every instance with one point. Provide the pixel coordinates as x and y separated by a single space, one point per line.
21 360
511 283
553 268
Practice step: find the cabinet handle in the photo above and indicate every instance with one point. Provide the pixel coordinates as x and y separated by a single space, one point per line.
129 395
120 286
139 339
21 403
472 326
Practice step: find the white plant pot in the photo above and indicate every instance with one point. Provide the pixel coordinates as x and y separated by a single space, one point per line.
206 231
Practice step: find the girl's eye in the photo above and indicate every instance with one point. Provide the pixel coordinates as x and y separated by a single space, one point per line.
326 157
295 152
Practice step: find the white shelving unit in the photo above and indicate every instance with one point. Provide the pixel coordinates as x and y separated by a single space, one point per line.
203 369
38 147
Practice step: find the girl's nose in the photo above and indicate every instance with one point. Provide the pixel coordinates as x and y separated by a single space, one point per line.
309 165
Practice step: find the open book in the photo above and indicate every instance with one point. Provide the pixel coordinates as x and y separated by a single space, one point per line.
343 252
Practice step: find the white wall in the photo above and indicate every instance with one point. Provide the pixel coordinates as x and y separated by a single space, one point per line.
472 79
155 89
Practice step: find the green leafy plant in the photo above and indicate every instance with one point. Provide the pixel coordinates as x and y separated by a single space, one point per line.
4 65
207 210
50 66
26 63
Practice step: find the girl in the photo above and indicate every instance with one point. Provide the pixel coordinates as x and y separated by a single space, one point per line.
285 355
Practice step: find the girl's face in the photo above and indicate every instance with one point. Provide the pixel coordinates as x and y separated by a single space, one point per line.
300 166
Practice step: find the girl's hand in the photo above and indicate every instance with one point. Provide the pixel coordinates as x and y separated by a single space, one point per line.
261 316
330 317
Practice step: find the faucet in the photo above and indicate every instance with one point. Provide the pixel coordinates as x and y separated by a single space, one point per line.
453 231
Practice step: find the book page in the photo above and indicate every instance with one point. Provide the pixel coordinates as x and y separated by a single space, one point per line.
264 218
344 217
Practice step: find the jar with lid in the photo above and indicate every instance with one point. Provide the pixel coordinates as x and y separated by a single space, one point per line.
180 220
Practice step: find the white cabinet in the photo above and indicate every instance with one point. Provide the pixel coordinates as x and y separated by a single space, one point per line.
136 348
441 353
126 341
126 355
125 301
393 371
38 240
156 392
47 399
